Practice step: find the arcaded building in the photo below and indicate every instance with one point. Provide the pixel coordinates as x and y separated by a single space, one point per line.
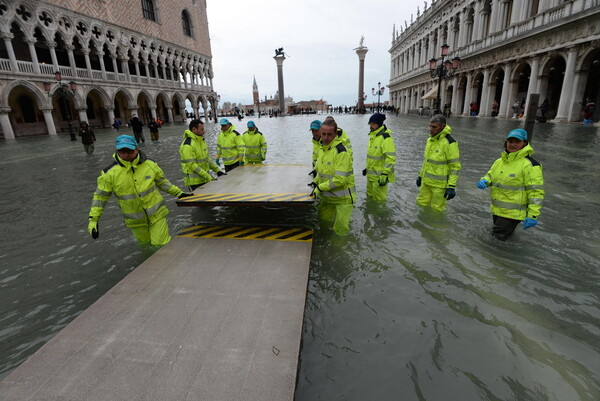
508 50
116 58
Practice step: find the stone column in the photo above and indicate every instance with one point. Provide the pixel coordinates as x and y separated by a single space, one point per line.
49 121
115 66
100 54
170 114
125 68
533 81
361 52
82 113
467 111
506 102
7 36
5 123
34 59
72 64
484 107
454 104
279 59
494 17
137 67
111 114
52 48
153 112
566 93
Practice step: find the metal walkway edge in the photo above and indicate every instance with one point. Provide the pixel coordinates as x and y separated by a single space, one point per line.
202 319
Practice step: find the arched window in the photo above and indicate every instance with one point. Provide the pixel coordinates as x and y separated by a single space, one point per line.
185 22
148 10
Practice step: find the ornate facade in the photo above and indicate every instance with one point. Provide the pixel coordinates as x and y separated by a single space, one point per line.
144 57
509 49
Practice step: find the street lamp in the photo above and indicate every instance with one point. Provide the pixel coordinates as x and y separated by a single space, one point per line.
64 92
214 99
445 69
378 92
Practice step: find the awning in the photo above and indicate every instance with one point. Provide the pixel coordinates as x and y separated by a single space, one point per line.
431 95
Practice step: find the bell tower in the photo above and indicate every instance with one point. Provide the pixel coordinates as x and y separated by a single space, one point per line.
255 97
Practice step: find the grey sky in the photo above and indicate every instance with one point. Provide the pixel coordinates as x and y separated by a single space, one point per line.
318 38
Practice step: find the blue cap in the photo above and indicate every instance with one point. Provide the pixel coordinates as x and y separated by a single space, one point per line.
315 124
518 133
224 121
126 141
251 124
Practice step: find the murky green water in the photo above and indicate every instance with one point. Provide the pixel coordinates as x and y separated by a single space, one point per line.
411 305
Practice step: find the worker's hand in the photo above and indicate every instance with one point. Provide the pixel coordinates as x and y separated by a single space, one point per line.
450 193
383 180
482 184
316 191
93 229
364 172
313 173
241 163
419 181
185 195
529 222
220 173
206 176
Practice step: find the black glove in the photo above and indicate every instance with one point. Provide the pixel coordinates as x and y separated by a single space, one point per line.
313 173
450 193
185 195
419 181
220 173
364 172
383 180
94 228
315 188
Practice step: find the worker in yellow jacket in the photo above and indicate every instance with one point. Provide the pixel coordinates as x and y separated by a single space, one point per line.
135 181
255 145
229 146
517 186
381 159
334 181
342 135
195 162
439 172
315 129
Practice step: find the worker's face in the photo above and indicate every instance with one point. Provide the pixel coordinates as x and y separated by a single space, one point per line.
435 128
328 134
199 130
127 154
251 129
225 127
374 126
514 145
316 134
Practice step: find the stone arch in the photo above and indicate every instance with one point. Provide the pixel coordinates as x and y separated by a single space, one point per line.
145 104
552 79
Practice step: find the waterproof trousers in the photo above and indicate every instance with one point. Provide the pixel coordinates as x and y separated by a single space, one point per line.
229 167
156 234
89 149
504 227
432 196
374 191
339 213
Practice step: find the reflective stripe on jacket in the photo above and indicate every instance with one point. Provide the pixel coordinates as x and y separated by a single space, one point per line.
195 162
517 185
136 185
381 154
255 146
335 175
442 160
230 146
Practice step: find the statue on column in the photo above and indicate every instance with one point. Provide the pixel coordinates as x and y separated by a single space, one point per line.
362 39
279 52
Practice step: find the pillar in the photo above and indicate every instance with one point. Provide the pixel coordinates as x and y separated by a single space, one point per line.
34 59
505 101
7 36
111 114
361 52
72 64
52 47
485 106
100 54
279 59
466 110
49 121
533 80
88 64
566 93
170 113
5 123
82 113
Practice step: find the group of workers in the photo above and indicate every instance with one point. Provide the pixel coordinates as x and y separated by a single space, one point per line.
515 179
135 179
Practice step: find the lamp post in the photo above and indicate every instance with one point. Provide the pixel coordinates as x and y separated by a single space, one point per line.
445 69
64 92
214 99
378 92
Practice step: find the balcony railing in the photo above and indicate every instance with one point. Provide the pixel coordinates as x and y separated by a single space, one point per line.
26 69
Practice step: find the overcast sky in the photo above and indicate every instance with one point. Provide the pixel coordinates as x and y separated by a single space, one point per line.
318 38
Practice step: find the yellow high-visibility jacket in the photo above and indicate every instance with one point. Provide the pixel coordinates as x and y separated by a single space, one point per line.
255 146
335 175
517 185
136 185
230 146
381 154
195 162
345 140
316 150
442 161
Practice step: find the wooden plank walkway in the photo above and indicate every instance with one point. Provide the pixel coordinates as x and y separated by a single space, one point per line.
272 185
202 319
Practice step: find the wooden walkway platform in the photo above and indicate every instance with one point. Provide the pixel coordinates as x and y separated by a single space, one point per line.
203 319
271 185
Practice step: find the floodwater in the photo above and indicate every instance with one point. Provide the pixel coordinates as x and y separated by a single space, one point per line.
412 305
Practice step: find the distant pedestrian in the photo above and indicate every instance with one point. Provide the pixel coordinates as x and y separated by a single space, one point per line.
116 123
517 186
588 111
153 126
137 126
88 137
474 108
495 108
545 106
515 108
